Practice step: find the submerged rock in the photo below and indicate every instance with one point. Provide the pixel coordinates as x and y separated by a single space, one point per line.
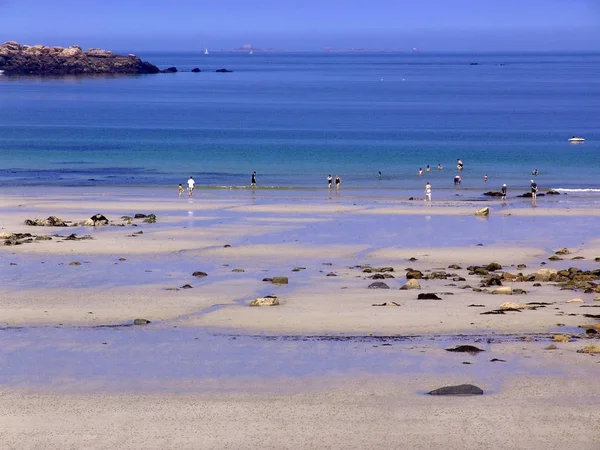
461 389
506 290
465 349
378 285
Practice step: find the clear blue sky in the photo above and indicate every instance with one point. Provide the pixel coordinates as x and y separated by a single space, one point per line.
430 25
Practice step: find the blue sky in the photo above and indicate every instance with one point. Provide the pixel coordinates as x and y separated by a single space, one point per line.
430 25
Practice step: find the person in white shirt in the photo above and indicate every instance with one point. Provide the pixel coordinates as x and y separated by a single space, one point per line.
428 192
191 184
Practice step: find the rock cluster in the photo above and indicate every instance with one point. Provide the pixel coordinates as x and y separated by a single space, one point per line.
17 59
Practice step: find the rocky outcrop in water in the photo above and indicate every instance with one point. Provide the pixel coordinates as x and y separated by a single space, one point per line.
17 59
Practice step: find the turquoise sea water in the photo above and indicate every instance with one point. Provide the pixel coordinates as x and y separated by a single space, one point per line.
295 118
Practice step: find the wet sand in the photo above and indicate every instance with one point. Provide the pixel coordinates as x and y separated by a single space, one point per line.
277 377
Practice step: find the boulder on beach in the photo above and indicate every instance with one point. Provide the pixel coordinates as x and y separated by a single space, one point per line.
483 212
416 274
279 280
510 306
199 274
265 301
545 275
51 221
96 220
493 194
141 322
413 283
462 389
428 296
592 348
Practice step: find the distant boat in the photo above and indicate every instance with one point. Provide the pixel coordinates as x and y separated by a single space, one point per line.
206 51
576 139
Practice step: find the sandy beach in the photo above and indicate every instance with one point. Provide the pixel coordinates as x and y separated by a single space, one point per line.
280 377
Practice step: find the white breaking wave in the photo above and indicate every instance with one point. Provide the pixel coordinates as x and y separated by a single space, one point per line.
577 190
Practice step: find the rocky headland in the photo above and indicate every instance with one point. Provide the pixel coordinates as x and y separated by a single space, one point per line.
40 60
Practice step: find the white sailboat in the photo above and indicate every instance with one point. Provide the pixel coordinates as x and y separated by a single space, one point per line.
206 51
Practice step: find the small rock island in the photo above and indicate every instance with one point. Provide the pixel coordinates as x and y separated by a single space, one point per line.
40 60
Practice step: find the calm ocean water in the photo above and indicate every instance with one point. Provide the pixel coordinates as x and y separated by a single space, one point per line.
295 118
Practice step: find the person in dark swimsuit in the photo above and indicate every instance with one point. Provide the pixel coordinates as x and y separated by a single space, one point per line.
338 181
503 191
253 183
534 189
329 181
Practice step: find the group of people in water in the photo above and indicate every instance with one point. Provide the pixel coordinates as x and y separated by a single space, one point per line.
338 181
458 181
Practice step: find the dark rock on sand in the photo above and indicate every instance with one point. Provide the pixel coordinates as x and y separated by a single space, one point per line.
497 360
493 267
386 304
140 216
462 389
454 266
492 281
279 280
150 218
378 285
428 296
493 194
331 274
74 263
199 274
74 237
223 71
141 322
416 274
465 349
562 251
51 221
552 192
17 59
269 280
96 220
187 286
